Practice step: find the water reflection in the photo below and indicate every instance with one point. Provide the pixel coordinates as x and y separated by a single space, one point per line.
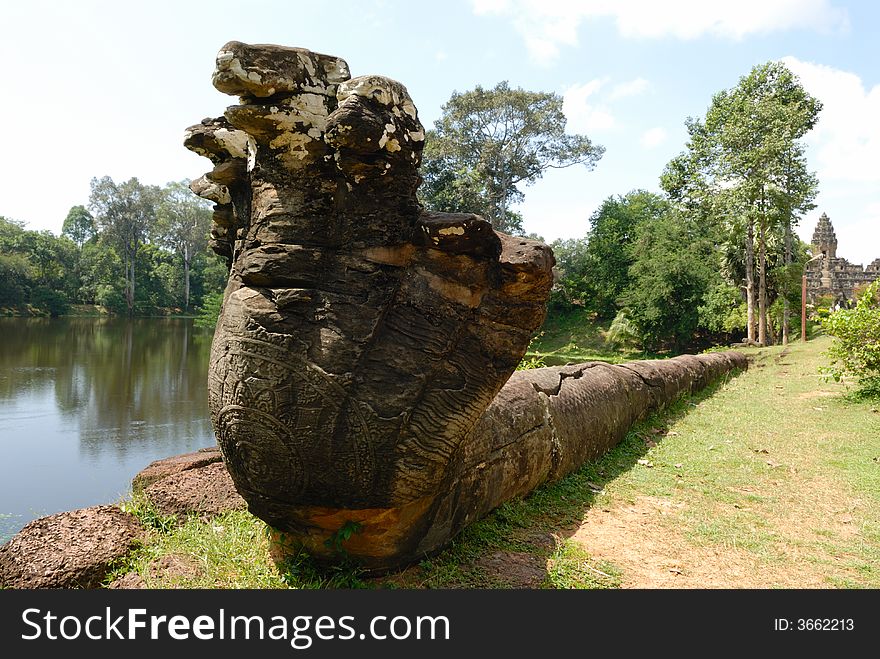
86 403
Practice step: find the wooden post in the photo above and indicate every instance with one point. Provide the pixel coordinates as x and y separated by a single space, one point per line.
803 307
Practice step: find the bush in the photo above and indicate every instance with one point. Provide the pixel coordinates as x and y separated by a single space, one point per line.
51 301
622 333
15 279
109 296
207 314
856 349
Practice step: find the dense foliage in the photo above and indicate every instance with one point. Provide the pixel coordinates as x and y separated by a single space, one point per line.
715 258
856 349
137 250
667 284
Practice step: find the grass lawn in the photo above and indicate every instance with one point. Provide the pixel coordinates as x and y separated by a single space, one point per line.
770 479
574 337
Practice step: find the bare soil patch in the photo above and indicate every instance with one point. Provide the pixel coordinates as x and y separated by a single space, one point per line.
651 553
514 569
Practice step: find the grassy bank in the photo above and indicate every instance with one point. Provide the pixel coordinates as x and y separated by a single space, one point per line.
769 479
575 336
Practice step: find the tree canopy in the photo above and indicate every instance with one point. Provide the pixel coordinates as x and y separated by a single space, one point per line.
489 142
124 213
79 225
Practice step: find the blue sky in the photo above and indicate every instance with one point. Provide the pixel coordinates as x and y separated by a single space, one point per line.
107 88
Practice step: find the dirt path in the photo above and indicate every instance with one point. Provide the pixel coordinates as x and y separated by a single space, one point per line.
651 553
765 484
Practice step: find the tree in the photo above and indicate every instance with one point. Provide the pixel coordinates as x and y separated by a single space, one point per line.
183 223
79 225
102 275
739 163
14 280
124 212
36 268
668 284
613 230
489 141
793 197
15 269
571 286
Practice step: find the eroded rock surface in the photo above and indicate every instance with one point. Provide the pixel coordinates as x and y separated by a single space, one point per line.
205 491
75 549
159 469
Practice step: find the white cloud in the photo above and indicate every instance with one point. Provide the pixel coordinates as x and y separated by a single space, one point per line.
631 88
547 26
654 137
846 139
844 149
587 106
441 56
582 112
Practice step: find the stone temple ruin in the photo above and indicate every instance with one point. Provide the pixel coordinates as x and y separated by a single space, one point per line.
832 275
360 381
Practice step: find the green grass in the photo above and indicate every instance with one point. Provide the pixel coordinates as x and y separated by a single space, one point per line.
572 567
229 551
576 336
777 464
775 471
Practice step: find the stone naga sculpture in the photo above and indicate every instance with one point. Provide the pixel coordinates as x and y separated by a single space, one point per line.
357 361
360 338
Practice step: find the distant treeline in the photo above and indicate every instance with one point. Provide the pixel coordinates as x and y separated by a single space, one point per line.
134 249
668 280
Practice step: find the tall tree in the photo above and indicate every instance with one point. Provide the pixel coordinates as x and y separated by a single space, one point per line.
741 156
124 213
489 141
183 223
571 281
792 198
612 234
79 225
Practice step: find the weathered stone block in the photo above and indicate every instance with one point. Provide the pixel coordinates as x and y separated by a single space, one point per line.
74 549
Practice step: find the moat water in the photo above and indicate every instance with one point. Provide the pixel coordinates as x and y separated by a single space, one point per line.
86 403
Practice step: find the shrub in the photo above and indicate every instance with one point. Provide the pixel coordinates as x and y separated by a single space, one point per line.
51 301
856 349
207 314
622 333
109 296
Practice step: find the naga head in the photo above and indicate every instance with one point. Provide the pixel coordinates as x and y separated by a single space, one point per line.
360 338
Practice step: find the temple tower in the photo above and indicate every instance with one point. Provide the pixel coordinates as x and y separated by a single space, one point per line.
831 275
824 240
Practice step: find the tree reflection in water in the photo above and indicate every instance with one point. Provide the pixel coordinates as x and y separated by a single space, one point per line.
85 403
